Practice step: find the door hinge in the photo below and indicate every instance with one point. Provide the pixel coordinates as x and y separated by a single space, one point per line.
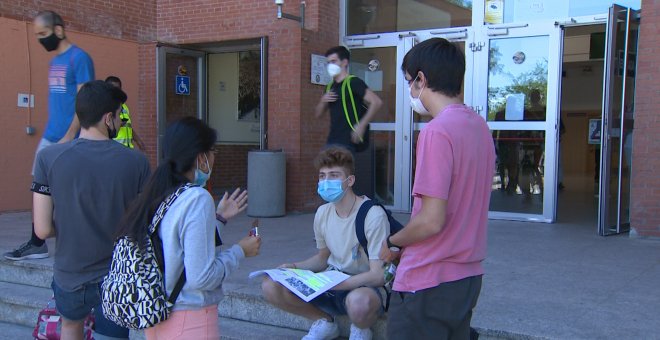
475 47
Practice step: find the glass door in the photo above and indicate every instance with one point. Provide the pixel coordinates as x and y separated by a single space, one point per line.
376 60
517 74
181 79
617 121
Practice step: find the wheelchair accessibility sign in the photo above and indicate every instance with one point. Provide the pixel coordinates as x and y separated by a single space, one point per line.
182 86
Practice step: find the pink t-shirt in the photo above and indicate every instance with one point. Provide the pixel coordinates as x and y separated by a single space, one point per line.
455 162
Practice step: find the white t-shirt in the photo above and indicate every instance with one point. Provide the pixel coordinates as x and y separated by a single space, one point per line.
338 235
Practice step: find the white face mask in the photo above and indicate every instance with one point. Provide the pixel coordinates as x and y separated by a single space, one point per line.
416 103
333 70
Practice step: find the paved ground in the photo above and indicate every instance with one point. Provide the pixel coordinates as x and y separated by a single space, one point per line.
557 281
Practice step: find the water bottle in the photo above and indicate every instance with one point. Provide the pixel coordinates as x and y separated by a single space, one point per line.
390 272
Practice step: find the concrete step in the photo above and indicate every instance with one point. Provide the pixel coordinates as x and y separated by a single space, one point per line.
20 304
15 332
232 329
254 309
37 273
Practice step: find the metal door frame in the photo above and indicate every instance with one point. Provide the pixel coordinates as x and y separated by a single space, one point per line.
401 125
550 125
608 131
161 54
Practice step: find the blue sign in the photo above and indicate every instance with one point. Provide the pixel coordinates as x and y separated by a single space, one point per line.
182 86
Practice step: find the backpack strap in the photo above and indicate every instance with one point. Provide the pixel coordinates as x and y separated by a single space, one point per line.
346 84
157 243
359 224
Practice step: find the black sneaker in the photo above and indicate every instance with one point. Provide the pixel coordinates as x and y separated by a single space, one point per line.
27 251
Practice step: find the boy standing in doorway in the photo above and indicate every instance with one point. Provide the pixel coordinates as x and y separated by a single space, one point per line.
126 135
344 129
438 279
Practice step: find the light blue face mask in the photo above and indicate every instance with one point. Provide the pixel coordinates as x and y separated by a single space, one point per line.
331 190
200 176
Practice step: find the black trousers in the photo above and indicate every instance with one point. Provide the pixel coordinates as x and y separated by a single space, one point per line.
441 312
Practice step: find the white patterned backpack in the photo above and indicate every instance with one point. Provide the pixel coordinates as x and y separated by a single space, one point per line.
133 293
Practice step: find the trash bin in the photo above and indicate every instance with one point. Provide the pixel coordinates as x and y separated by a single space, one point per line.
266 183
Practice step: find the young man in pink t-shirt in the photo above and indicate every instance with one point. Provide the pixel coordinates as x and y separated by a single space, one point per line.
438 279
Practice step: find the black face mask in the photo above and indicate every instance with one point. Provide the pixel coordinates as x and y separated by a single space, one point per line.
51 42
112 133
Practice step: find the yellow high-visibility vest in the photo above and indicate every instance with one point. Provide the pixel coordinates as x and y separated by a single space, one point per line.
125 132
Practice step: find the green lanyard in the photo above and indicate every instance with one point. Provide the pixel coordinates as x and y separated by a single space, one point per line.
344 84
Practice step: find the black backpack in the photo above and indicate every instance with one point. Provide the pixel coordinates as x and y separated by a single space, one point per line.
395 226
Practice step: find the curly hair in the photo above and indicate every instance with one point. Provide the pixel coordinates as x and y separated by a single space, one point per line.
335 156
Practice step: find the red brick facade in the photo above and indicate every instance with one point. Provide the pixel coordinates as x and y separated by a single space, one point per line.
645 192
121 19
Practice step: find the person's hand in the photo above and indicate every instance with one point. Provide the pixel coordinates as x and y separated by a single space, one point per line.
386 255
250 245
358 134
329 97
287 265
232 205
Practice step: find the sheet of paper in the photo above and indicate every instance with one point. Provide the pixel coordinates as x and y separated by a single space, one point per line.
304 283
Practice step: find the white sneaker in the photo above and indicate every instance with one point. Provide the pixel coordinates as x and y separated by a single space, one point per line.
360 333
322 329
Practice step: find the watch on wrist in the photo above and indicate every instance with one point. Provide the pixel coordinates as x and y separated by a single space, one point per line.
392 246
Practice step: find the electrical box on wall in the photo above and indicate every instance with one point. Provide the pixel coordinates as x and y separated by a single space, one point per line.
25 100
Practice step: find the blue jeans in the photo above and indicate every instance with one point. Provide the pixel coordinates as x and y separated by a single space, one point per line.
76 305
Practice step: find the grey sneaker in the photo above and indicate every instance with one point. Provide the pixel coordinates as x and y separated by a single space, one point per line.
360 333
27 251
322 329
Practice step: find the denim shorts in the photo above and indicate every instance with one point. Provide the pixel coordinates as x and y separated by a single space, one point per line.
333 302
76 305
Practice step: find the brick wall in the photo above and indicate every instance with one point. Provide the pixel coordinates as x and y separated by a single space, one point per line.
122 19
230 168
645 191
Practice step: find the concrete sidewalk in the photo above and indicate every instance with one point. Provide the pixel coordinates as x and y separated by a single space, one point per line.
557 281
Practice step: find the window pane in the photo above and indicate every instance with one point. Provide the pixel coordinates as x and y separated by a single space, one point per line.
501 11
383 143
375 16
518 182
518 78
377 67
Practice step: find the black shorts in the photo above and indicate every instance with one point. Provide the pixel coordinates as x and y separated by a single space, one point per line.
441 312
333 302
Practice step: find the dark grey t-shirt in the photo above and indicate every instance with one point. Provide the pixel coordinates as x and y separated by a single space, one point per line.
91 183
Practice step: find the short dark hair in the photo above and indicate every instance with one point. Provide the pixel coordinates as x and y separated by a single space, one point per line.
442 62
95 99
113 79
50 19
335 156
341 51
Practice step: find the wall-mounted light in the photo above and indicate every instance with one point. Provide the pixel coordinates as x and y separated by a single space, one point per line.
300 18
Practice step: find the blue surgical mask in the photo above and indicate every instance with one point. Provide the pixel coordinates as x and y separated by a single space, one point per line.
331 190
200 176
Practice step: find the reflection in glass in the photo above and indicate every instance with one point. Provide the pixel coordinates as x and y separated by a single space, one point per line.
530 11
518 182
179 106
383 144
377 67
518 78
376 16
